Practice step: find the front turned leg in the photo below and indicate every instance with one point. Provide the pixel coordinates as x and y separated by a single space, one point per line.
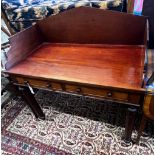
130 120
32 103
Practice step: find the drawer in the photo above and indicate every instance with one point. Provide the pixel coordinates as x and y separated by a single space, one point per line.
90 91
134 98
110 94
39 83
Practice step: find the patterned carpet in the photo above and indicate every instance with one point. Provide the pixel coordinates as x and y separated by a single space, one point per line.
74 125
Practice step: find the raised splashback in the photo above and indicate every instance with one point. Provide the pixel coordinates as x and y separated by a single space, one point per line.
94 26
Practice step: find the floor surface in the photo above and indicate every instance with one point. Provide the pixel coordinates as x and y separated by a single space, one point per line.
73 125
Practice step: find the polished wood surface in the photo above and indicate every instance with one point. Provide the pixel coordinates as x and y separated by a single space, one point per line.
94 26
119 95
22 45
148 107
82 25
148 113
115 66
29 98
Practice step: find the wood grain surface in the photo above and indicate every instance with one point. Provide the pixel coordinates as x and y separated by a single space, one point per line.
148 107
104 65
94 26
22 44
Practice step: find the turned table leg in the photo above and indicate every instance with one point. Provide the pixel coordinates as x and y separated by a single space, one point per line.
31 101
142 126
130 119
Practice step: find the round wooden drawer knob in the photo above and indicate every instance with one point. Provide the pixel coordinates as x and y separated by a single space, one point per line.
48 85
26 82
109 94
78 90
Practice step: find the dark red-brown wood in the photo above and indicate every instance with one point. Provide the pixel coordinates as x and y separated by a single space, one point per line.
82 25
116 66
129 124
94 26
31 101
23 44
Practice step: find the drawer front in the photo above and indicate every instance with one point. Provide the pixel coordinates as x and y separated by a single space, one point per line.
39 83
134 98
82 90
98 92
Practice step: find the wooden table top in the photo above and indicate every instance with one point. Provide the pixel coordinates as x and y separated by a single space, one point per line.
103 65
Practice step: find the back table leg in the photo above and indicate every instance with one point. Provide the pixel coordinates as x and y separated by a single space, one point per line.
31 101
